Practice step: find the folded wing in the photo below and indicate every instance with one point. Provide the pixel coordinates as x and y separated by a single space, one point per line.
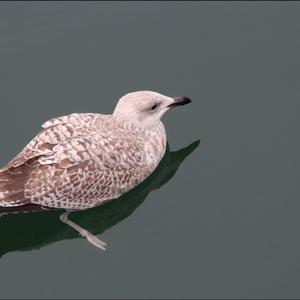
72 162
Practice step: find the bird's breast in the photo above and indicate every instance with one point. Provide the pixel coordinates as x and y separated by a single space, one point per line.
155 146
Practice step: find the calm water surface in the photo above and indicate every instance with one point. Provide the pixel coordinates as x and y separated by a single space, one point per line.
219 218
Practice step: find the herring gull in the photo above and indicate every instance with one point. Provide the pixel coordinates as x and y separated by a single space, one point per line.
83 160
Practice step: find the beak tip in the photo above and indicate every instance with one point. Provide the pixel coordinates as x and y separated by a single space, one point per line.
180 100
187 100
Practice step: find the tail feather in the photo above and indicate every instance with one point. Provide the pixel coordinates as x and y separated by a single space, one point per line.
14 199
12 185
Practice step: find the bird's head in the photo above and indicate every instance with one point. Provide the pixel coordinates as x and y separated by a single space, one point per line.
145 108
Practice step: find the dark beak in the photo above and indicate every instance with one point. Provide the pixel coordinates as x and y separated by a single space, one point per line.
180 100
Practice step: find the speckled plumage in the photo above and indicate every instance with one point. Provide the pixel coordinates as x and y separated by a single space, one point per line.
81 160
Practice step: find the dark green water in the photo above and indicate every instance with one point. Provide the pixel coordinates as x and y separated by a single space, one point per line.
216 219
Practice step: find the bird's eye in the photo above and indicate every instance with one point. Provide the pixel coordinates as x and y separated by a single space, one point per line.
153 106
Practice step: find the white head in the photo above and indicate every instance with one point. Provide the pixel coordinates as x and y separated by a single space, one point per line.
146 107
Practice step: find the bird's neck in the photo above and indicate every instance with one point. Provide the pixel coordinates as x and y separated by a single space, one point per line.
141 128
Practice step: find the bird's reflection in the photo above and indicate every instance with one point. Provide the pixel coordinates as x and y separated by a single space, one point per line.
35 229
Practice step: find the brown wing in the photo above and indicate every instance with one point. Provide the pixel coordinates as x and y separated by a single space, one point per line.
16 173
55 131
60 165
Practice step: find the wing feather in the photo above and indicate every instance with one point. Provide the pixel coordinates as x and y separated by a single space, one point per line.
54 132
62 164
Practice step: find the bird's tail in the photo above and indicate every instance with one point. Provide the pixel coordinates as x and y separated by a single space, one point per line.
12 184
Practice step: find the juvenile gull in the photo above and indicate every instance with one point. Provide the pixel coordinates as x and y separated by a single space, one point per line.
82 160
